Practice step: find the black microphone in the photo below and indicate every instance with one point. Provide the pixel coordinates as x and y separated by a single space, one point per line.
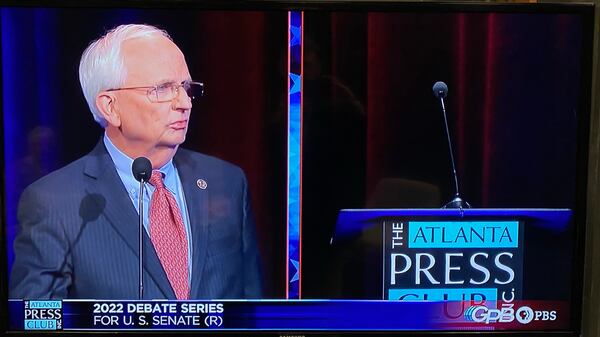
440 91
142 170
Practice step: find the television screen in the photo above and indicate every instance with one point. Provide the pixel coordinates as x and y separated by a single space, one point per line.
348 167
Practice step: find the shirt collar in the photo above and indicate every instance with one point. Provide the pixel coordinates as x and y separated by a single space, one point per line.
123 165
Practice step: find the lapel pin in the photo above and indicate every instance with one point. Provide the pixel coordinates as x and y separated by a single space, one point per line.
201 184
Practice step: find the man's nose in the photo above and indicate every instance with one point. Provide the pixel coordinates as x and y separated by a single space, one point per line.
182 101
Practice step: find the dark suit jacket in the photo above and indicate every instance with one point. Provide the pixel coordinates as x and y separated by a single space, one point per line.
79 234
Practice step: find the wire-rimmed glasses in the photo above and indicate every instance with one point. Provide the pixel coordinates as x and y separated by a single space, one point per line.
167 92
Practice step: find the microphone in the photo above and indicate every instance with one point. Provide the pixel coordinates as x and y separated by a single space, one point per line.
142 170
440 91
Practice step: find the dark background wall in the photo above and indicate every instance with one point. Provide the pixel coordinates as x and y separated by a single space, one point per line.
371 124
239 57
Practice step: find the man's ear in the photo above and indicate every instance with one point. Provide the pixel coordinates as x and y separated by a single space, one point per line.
106 104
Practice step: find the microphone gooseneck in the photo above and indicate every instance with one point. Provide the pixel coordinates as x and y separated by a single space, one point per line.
142 170
440 91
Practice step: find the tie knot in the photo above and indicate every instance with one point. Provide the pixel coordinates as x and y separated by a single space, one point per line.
156 179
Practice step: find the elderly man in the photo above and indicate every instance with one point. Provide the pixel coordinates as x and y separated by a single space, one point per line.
79 225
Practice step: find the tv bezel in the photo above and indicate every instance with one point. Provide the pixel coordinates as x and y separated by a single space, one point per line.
585 10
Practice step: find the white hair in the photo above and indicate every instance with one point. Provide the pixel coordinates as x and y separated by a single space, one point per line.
102 66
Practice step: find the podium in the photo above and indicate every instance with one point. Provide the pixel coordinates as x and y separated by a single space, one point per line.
459 254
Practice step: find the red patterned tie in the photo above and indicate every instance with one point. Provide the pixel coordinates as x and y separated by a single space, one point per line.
167 233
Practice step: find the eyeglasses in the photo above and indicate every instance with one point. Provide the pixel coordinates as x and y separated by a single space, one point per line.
167 92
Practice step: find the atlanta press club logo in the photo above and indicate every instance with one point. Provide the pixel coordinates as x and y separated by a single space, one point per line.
42 315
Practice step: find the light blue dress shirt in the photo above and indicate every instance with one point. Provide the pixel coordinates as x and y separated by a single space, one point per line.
172 183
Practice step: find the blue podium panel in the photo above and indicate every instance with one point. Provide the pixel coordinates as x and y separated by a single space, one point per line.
351 222
471 255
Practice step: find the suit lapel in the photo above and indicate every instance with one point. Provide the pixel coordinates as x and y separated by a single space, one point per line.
121 214
196 200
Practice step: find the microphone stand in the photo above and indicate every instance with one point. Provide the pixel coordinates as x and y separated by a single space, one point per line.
141 169
141 240
457 202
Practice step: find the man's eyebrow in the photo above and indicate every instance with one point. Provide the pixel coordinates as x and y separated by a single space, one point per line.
165 81
170 81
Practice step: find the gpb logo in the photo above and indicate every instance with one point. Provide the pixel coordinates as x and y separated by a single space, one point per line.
482 314
470 312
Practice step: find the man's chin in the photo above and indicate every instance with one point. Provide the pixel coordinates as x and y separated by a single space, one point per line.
174 142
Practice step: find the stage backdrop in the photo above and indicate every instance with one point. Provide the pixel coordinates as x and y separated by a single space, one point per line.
374 135
238 55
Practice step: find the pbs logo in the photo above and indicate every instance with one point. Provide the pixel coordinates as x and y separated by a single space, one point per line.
525 315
